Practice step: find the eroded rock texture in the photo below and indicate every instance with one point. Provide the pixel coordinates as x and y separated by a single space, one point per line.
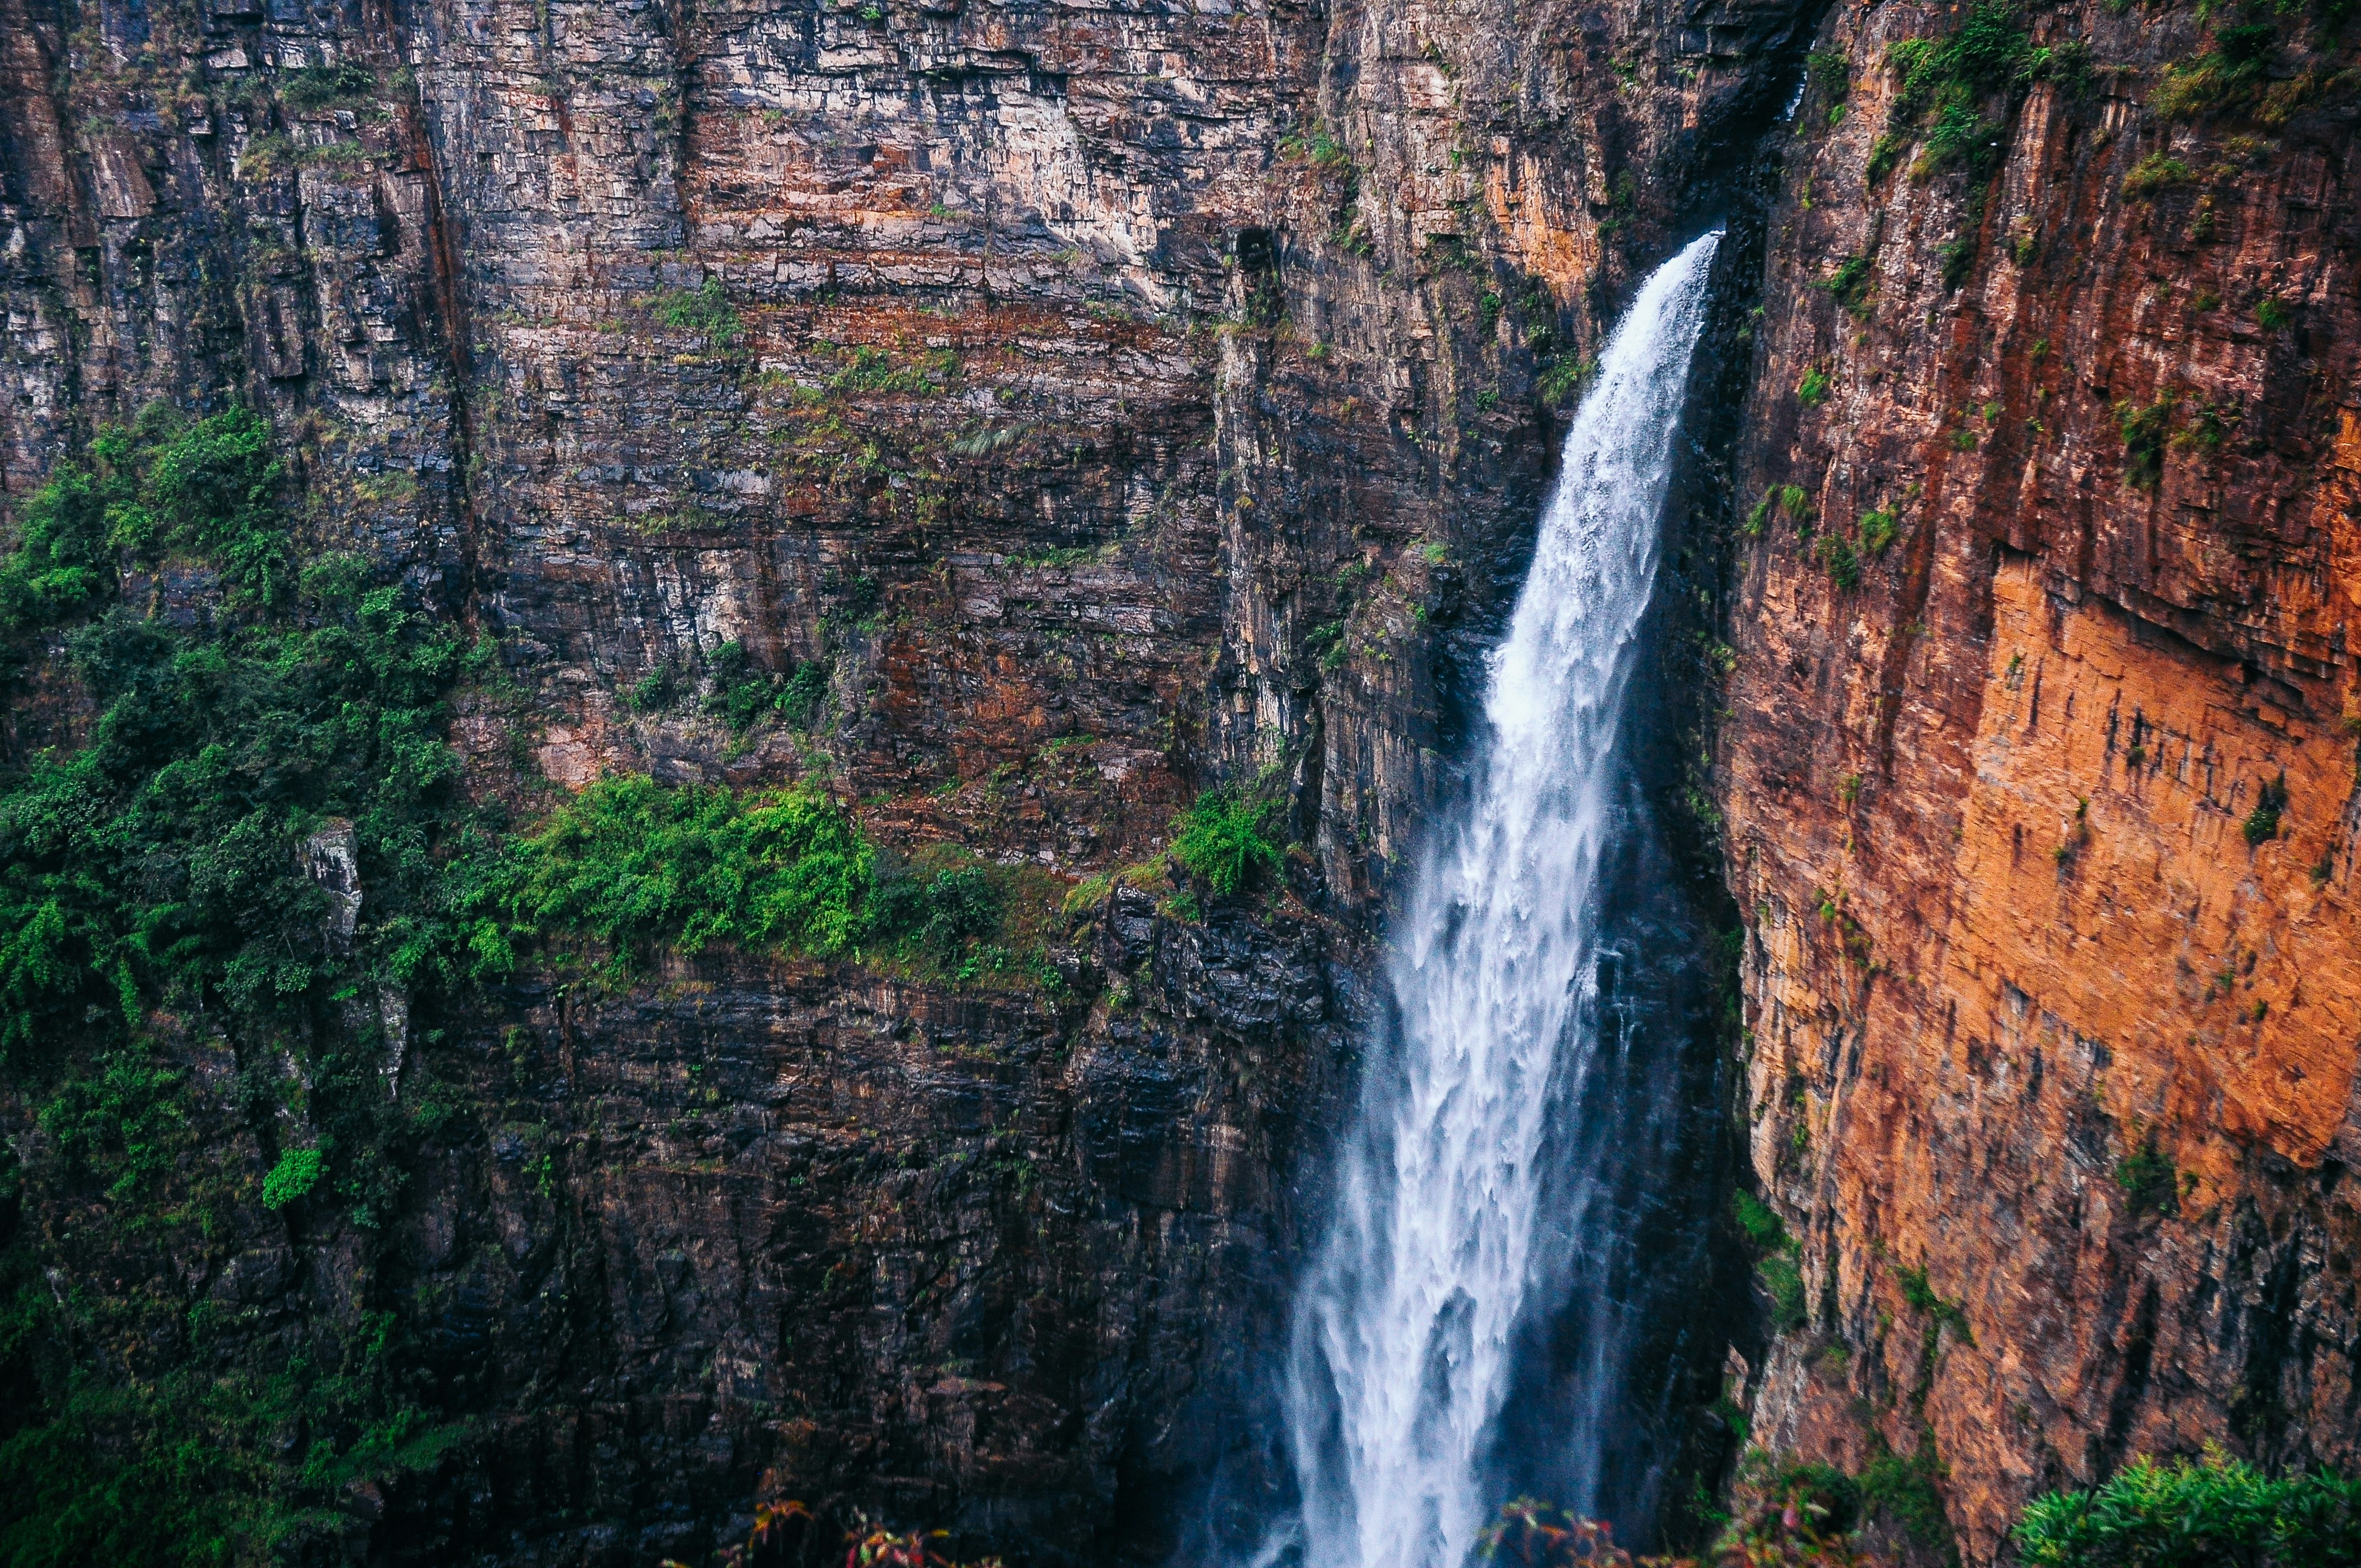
1104 401
2045 829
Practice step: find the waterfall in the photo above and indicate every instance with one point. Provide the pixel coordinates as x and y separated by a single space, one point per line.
1401 1356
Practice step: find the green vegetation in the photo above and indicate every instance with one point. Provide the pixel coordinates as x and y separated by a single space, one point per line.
2156 172
744 691
297 1172
158 862
271 716
636 863
1565 376
2144 428
864 368
1907 1488
1227 837
1877 530
1850 284
2272 316
2148 1180
1777 1266
2262 824
327 86
157 874
2198 1513
2233 75
705 310
1814 388
1922 1297
1841 560
1947 85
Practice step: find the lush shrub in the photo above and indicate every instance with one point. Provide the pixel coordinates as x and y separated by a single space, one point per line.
159 863
319 86
1227 838
2148 1180
635 862
1761 1226
2262 824
297 1172
703 310
742 691
2156 172
2196 1514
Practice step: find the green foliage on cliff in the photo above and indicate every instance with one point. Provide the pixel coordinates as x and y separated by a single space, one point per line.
1777 1265
705 310
633 863
1907 1488
159 864
1946 84
2262 824
2233 74
1226 837
297 1172
2202 1513
2148 1180
153 884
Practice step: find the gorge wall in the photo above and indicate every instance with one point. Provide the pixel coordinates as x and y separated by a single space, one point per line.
1100 404
2040 759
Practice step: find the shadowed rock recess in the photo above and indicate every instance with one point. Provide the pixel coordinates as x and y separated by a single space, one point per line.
1017 419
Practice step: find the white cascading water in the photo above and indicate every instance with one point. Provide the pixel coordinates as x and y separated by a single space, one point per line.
1404 1329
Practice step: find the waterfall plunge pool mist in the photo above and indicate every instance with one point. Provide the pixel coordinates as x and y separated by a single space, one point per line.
1491 1203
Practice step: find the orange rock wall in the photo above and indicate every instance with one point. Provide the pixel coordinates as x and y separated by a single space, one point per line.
2013 919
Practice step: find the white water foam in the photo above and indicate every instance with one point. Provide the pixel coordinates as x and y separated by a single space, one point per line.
1400 1357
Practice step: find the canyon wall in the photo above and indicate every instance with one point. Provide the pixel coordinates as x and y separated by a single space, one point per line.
1098 404
2039 758
1104 403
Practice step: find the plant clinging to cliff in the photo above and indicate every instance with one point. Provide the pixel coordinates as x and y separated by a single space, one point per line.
1227 837
2148 1180
2233 74
703 310
2197 1513
632 861
1944 83
2262 824
2144 428
2156 172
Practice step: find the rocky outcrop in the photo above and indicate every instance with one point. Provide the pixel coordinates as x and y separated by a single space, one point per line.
2039 764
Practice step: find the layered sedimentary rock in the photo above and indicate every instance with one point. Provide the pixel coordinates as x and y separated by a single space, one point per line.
2040 759
1098 403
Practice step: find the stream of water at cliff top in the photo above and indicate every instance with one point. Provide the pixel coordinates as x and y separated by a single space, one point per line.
1401 1356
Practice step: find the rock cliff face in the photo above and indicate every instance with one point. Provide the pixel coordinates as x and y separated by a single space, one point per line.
2039 761
1107 402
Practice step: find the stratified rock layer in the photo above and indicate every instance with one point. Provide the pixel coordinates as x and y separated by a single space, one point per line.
1101 403
2045 829
1107 401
